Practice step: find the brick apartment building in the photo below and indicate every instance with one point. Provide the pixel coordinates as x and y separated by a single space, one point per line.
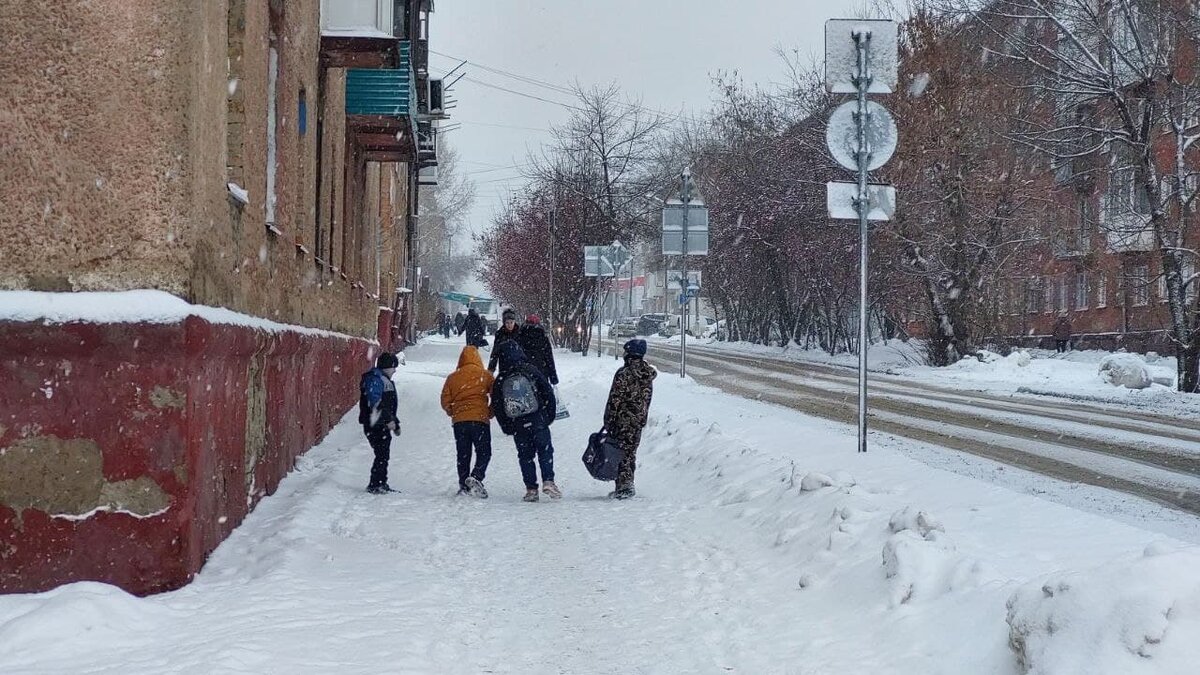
262 157
1095 260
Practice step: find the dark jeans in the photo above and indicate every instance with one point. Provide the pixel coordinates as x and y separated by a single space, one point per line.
1063 346
531 443
477 436
380 439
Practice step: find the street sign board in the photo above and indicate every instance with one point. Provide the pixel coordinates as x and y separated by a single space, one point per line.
697 228
695 279
842 135
843 197
604 261
841 55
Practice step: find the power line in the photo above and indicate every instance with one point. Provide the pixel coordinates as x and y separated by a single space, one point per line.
520 93
670 117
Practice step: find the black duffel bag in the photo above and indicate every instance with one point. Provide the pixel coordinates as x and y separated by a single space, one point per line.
603 456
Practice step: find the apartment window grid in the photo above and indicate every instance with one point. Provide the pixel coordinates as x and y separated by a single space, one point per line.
1033 295
1081 291
1061 295
1048 304
1138 282
1101 290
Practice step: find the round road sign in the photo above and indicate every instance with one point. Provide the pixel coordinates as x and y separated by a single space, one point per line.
842 135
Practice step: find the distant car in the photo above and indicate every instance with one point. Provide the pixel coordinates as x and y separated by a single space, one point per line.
651 324
625 327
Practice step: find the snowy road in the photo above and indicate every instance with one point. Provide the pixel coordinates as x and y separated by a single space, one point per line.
1152 456
759 543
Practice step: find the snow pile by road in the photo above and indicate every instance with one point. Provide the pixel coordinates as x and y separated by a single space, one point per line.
1125 618
1125 370
760 542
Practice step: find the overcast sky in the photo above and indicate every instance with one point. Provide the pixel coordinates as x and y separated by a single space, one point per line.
662 51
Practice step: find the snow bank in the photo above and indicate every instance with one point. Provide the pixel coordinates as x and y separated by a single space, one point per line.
1125 618
139 306
99 611
1125 370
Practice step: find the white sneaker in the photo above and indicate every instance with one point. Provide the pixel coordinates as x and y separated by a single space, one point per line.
551 490
475 488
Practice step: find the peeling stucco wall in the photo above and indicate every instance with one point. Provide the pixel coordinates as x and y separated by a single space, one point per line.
114 134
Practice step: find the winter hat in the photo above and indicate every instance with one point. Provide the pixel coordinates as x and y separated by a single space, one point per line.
510 313
387 360
635 347
533 319
510 352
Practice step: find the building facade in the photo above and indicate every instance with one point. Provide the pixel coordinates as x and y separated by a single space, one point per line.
260 157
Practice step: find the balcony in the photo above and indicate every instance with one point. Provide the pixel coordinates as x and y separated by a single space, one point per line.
358 18
387 92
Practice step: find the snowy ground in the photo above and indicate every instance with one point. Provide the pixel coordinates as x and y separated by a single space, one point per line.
760 543
1074 375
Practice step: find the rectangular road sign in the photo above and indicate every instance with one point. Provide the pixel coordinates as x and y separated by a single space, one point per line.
841 196
697 228
841 55
695 279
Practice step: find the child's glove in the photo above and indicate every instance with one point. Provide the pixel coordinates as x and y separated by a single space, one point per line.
396 429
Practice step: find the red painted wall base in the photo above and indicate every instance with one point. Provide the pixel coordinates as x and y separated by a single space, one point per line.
128 452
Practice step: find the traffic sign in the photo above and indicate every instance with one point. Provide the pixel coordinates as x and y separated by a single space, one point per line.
841 55
842 135
697 227
842 199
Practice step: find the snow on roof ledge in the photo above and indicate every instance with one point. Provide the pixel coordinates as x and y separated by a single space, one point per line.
140 306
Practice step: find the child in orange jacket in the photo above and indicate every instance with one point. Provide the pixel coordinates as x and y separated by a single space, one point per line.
465 400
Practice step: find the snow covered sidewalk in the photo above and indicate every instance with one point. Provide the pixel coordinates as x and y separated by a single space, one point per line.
759 543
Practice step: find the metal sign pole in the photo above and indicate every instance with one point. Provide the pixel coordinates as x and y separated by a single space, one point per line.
685 197
862 41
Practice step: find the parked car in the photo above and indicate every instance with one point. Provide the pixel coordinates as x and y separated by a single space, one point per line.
625 327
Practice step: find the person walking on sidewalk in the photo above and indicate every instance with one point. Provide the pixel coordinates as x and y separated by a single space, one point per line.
508 330
536 345
377 408
474 327
465 400
627 409
1062 334
524 405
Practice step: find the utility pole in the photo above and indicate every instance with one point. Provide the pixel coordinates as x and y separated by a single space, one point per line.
550 268
685 196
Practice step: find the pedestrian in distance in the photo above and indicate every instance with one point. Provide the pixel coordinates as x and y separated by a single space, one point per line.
524 405
627 409
465 400
460 320
378 405
1062 334
536 345
474 327
508 330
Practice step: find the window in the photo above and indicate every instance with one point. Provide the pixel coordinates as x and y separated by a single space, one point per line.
1138 284
1062 294
1033 295
235 111
1081 291
1162 287
302 112
1102 290
1125 194
1048 306
1189 270
1083 226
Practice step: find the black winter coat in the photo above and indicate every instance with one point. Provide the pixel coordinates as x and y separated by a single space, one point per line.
537 348
377 400
502 335
475 328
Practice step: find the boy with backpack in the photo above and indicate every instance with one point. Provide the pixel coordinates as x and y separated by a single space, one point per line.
524 405
465 400
377 407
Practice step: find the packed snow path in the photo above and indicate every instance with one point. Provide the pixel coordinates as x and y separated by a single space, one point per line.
1152 456
760 543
